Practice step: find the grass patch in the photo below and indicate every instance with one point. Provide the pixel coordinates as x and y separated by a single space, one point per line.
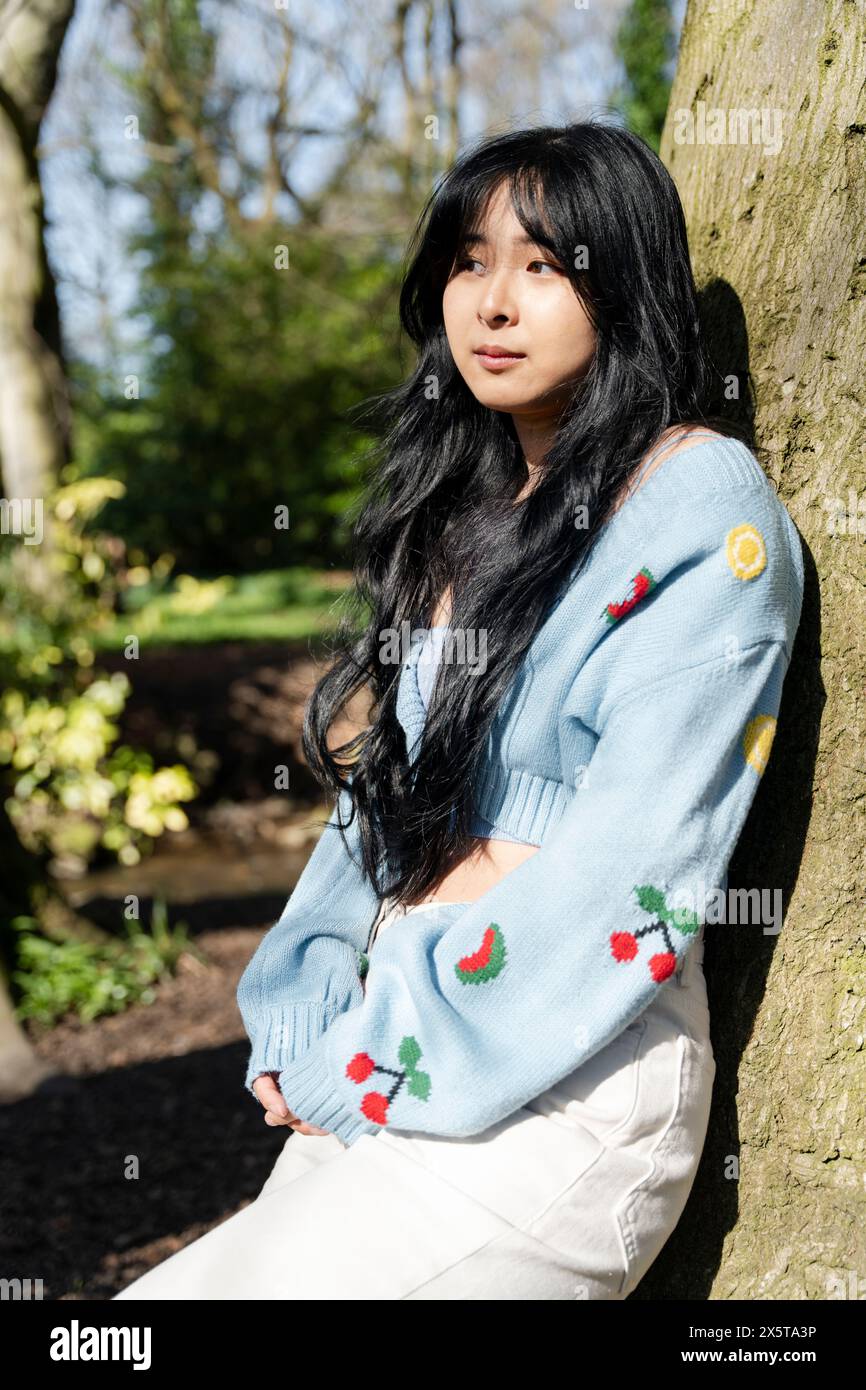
293 604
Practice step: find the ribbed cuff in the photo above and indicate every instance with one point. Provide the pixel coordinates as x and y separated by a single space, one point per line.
310 1094
280 1035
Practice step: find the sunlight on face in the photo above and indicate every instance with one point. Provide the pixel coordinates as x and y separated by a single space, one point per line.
516 296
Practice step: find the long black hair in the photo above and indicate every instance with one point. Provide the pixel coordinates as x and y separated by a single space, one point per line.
440 510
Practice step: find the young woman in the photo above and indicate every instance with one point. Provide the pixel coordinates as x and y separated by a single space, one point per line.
483 1011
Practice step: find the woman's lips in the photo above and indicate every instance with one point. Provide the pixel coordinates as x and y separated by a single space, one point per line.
497 363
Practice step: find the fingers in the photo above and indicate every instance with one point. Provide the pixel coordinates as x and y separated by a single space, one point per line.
276 1110
272 1119
271 1097
299 1126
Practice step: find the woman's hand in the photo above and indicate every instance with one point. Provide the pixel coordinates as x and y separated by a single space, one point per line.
276 1111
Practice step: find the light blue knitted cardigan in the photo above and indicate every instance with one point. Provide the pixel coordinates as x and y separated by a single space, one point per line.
629 747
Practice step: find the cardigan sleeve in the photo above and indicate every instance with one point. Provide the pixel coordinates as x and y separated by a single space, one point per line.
305 970
463 1023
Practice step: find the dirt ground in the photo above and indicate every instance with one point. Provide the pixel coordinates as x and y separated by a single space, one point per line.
161 1085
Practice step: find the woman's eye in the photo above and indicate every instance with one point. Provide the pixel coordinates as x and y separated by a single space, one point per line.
467 263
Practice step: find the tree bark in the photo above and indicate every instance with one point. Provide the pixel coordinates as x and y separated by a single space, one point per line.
21 1070
34 407
34 415
776 235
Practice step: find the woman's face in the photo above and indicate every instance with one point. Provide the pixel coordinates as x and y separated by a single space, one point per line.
515 296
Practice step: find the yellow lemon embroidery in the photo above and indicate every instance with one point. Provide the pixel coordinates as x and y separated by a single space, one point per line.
758 740
746 552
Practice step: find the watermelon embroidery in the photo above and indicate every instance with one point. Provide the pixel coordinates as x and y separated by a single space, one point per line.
375 1105
623 944
640 585
486 962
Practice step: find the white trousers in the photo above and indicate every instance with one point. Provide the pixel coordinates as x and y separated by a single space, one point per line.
572 1196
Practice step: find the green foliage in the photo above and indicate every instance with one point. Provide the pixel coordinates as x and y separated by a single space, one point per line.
257 337
646 45
72 792
39 632
257 349
291 604
92 978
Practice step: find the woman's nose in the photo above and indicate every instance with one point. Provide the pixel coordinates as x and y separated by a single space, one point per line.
497 299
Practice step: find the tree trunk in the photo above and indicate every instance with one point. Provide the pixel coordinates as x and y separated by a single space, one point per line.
34 414
33 401
21 1070
776 236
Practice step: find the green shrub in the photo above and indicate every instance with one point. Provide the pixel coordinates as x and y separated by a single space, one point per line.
69 792
92 978
72 791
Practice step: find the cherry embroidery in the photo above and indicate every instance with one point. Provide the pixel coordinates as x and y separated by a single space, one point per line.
623 944
640 585
375 1105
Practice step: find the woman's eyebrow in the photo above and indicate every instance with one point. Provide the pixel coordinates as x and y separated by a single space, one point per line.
479 239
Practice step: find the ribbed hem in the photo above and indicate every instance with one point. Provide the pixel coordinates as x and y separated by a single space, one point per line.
519 801
280 1035
309 1093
